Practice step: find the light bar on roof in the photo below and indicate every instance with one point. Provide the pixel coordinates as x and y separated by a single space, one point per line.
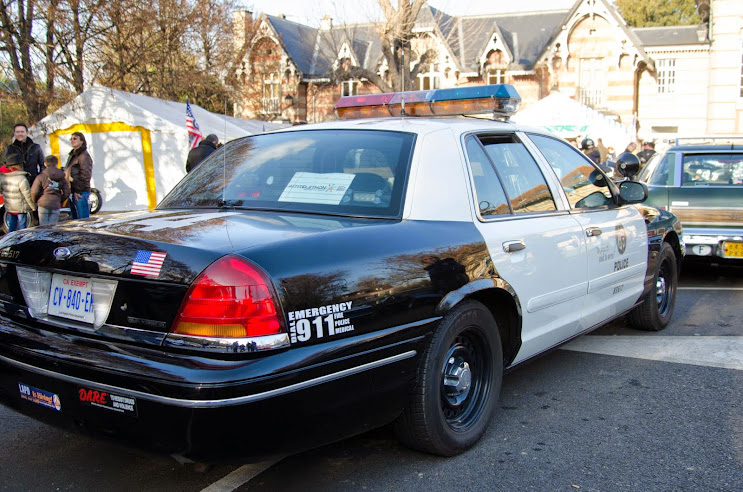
499 99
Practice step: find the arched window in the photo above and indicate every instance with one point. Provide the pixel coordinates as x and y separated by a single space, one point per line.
271 93
495 68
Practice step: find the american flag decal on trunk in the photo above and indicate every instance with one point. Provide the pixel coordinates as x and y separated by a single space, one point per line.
148 263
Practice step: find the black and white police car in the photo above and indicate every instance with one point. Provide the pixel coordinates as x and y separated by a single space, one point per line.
308 284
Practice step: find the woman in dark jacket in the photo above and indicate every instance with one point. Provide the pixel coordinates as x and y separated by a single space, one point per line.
50 190
79 170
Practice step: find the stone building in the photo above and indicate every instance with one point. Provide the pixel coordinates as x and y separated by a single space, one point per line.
665 81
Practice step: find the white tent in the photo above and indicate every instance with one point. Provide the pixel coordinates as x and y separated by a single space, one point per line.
139 144
568 118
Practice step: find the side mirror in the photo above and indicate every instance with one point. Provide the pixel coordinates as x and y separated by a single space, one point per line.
633 192
628 165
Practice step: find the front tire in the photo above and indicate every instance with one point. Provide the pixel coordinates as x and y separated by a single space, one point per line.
458 384
657 305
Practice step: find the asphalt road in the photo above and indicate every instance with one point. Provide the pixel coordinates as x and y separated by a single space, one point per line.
615 410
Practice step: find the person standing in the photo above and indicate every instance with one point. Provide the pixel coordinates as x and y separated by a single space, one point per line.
201 151
79 170
16 193
50 190
32 157
648 150
590 150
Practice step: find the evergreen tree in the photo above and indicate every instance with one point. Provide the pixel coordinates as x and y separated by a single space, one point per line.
649 13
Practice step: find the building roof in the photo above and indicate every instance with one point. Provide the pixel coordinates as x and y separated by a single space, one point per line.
526 35
668 36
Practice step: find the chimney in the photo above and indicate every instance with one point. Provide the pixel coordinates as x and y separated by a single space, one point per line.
326 23
241 22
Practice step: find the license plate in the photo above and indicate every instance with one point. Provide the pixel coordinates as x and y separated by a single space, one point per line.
72 298
732 250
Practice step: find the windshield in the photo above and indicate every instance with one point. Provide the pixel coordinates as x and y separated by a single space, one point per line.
348 172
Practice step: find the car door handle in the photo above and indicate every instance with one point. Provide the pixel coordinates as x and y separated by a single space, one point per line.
513 246
593 231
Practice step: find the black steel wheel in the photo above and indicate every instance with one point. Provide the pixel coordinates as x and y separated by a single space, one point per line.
458 384
657 305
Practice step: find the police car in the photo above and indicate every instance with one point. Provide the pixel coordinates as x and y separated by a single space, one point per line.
308 284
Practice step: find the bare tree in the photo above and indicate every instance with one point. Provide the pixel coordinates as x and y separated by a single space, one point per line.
396 35
27 57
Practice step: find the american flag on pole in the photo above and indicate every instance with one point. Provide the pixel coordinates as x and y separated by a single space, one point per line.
194 134
148 263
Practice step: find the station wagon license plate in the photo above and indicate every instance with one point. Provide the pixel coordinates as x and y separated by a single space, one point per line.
732 249
71 297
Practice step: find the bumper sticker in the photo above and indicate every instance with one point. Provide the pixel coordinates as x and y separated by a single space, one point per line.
109 401
40 397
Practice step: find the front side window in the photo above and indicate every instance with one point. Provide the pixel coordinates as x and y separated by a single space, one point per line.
712 169
519 173
662 175
666 75
582 182
346 172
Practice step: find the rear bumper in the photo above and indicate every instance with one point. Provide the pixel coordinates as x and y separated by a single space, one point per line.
710 242
206 409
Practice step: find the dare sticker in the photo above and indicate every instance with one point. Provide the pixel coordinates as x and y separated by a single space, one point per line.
109 401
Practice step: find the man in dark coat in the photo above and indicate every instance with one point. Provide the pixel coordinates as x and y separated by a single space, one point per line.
201 151
648 150
30 153
588 148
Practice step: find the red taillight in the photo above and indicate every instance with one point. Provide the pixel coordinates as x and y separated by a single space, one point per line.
230 299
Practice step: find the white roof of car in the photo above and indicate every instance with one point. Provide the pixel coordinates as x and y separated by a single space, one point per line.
457 124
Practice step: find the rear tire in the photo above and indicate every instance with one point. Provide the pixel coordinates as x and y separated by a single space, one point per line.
458 384
657 305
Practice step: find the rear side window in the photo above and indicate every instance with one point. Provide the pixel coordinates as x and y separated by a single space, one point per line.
523 181
577 175
346 172
712 169
491 198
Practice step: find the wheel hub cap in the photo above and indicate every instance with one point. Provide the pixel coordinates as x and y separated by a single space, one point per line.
660 289
458 378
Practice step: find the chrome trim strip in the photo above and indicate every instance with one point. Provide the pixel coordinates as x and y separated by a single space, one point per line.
226 402
228 345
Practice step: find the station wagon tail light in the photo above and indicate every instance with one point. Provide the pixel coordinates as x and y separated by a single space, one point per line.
501 100
232 299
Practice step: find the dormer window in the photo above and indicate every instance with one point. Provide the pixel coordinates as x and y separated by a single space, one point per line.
350 88
496 76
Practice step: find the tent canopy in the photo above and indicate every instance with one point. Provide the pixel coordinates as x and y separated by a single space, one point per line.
568 118
139 144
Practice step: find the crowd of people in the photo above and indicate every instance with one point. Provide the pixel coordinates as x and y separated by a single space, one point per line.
31 182
603 156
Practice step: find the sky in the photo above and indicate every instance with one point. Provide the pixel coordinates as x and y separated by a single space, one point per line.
355 11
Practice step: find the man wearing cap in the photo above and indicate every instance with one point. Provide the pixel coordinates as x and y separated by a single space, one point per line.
648 150
30 153
201 151
590 150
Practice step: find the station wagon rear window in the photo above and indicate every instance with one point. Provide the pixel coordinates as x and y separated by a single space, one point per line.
346 172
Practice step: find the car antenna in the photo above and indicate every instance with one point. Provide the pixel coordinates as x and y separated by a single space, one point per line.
224 165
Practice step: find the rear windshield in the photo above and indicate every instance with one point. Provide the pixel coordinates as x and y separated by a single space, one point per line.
347 172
